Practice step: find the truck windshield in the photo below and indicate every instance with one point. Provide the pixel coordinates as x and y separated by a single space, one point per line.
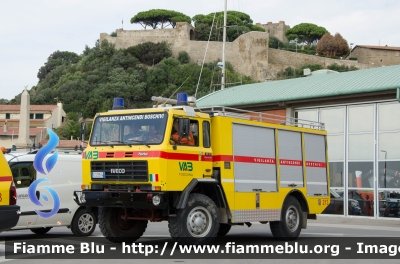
129 129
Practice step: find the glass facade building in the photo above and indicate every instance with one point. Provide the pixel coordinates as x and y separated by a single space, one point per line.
364 156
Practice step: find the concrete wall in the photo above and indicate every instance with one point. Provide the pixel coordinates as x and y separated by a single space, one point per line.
183 32
7 141
376 57
281 59
130 38
248 53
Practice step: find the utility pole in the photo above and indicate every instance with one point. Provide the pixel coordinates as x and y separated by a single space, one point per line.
223 48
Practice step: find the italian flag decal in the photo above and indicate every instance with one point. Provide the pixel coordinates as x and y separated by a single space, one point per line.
153 177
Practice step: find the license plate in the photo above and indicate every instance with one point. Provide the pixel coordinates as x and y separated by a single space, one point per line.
98 175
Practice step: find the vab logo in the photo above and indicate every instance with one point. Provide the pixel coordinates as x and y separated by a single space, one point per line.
91 154
185 166
49 164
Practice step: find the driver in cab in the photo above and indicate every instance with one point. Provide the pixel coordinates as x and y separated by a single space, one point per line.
134 133
180 141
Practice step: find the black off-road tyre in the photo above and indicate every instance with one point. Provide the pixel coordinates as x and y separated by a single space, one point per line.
83 223
289 227
198 223
223 229
41 230
117 230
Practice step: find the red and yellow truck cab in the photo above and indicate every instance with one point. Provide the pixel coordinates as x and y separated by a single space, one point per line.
203 171
8 196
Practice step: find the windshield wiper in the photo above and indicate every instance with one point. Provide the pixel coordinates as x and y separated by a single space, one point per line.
140 141
130 145
108 143
105 143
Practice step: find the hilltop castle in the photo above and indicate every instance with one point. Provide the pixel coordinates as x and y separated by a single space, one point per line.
249 53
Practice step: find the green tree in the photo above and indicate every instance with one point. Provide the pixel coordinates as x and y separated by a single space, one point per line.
151 53
256 28
275 43
4 101
232 18
234 32
155 17
71 127
342 68
202 31
56 59
238 22
305 33
183 57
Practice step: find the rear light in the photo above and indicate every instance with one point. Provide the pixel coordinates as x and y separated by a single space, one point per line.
13 194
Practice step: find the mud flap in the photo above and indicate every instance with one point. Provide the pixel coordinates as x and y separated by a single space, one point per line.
304 216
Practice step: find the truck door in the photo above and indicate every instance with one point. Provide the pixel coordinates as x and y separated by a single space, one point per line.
24 174
185 156
206 152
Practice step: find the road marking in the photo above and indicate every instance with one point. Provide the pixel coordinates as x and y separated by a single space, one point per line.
321 234
366 227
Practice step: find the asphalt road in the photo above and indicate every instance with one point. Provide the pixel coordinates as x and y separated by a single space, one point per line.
322 231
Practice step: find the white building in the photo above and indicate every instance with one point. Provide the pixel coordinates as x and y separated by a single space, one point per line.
41 117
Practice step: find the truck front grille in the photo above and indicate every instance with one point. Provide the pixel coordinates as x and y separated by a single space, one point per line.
122 170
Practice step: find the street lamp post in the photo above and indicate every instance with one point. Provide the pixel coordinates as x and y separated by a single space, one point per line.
384 171
351 46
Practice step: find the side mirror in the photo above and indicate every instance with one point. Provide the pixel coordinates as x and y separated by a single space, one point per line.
184 127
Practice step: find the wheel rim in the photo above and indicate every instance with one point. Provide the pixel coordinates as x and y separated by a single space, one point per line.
85 223
199 222
292 218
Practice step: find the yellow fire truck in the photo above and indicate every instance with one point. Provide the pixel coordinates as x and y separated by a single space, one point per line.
203 171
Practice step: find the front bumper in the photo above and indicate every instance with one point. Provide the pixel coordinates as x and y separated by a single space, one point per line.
8 216
137 200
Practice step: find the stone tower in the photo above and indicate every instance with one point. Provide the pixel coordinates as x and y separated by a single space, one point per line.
23 134
276 29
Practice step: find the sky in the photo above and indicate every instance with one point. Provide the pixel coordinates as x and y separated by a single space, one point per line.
32 30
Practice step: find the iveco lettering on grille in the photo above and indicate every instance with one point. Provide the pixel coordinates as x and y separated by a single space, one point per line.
117 170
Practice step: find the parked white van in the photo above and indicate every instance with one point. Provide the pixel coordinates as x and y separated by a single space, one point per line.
52 190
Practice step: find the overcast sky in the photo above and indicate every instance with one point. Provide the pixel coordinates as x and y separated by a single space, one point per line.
32 30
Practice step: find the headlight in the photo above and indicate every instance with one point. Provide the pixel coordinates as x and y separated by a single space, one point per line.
156 200
81 197
355 204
